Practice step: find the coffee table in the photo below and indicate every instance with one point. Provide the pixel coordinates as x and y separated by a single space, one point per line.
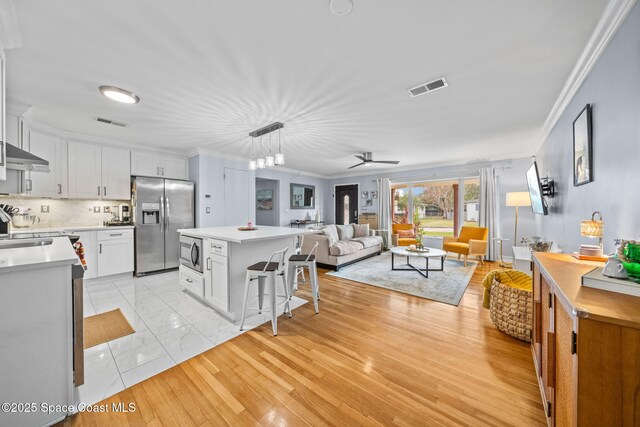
433 253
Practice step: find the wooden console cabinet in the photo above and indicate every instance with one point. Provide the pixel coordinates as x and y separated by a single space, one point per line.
585 345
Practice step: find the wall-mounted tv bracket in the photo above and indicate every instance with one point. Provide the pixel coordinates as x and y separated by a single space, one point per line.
548 187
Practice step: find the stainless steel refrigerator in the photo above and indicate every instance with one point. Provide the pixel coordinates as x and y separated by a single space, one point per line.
161 207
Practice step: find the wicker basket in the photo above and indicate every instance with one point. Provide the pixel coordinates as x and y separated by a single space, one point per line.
510 310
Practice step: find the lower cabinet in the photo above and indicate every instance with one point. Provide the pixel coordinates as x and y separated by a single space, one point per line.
586 347
217 281
107 252
192 281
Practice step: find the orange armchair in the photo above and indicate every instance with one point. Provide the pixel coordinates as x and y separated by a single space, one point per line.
397 240
472 241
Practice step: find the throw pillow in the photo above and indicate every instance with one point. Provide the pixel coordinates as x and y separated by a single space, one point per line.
331 232
406 233
345 232
360 230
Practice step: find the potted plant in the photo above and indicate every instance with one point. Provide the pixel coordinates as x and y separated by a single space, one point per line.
416 226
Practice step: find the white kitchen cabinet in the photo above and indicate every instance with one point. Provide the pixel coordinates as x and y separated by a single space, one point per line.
115 257
145 164
97 172
107 252
54 150
115 252
174 168
85 170
90 245
216 281
116 174
156 165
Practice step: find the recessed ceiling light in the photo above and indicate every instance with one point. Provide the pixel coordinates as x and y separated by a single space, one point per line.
120 95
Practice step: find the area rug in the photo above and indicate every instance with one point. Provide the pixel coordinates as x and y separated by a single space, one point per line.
104 327
446 286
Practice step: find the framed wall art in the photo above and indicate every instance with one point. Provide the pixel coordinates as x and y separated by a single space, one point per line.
582 148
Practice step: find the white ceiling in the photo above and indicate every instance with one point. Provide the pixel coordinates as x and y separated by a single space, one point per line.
208 72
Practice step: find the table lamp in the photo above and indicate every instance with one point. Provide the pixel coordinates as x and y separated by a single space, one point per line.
592 228
517 199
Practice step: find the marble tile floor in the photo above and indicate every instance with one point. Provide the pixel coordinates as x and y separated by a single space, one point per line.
171 327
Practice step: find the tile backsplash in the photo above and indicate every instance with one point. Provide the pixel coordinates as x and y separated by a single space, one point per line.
66 213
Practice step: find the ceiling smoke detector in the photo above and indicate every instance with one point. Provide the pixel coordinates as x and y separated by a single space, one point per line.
110 122
428 87
341 7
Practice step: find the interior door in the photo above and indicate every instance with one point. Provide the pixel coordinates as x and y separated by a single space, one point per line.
237 201
179 209
346 204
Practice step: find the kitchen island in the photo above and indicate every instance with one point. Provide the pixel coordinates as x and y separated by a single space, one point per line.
36 336
226 254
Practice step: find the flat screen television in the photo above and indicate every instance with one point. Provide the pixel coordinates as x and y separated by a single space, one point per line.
538 204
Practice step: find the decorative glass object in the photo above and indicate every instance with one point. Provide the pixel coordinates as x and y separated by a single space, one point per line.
632 252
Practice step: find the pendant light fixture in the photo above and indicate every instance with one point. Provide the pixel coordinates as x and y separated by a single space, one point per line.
279 160
252 163
269 160
260 163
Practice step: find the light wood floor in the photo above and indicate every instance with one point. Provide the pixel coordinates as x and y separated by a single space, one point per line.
371 357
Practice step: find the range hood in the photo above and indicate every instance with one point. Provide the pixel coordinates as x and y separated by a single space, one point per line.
18 159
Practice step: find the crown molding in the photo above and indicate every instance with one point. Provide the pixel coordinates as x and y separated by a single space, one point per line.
614 15
9 30
33 124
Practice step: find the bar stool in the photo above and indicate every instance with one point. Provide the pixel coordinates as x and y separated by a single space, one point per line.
305 261
267 271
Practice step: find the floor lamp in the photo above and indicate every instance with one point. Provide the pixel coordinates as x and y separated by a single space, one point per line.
517 199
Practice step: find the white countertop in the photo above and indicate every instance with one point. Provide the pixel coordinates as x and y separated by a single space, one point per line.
58 252
232 234
79 228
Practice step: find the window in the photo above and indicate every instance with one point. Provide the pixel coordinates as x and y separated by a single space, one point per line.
345 205
439 207
435 207
471 202
400 200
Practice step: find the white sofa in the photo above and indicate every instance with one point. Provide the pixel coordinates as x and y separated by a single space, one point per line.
340 245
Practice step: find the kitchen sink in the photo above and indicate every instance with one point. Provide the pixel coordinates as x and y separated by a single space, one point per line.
25 243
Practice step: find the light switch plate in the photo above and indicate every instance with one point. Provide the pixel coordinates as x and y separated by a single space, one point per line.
44 208
96 209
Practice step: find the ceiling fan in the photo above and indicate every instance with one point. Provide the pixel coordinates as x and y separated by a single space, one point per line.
367 160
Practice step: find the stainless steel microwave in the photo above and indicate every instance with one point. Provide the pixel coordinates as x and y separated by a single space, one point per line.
191 253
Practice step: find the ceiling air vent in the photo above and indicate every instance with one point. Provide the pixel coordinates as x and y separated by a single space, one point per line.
110 122
428 87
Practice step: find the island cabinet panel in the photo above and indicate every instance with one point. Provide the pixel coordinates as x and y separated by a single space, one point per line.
585 347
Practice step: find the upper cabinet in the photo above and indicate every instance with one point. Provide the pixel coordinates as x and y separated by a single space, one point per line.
54 150
116 173
149 164
97 172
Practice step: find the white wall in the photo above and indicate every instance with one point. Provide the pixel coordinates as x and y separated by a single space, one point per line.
286 179
208 174
613 89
